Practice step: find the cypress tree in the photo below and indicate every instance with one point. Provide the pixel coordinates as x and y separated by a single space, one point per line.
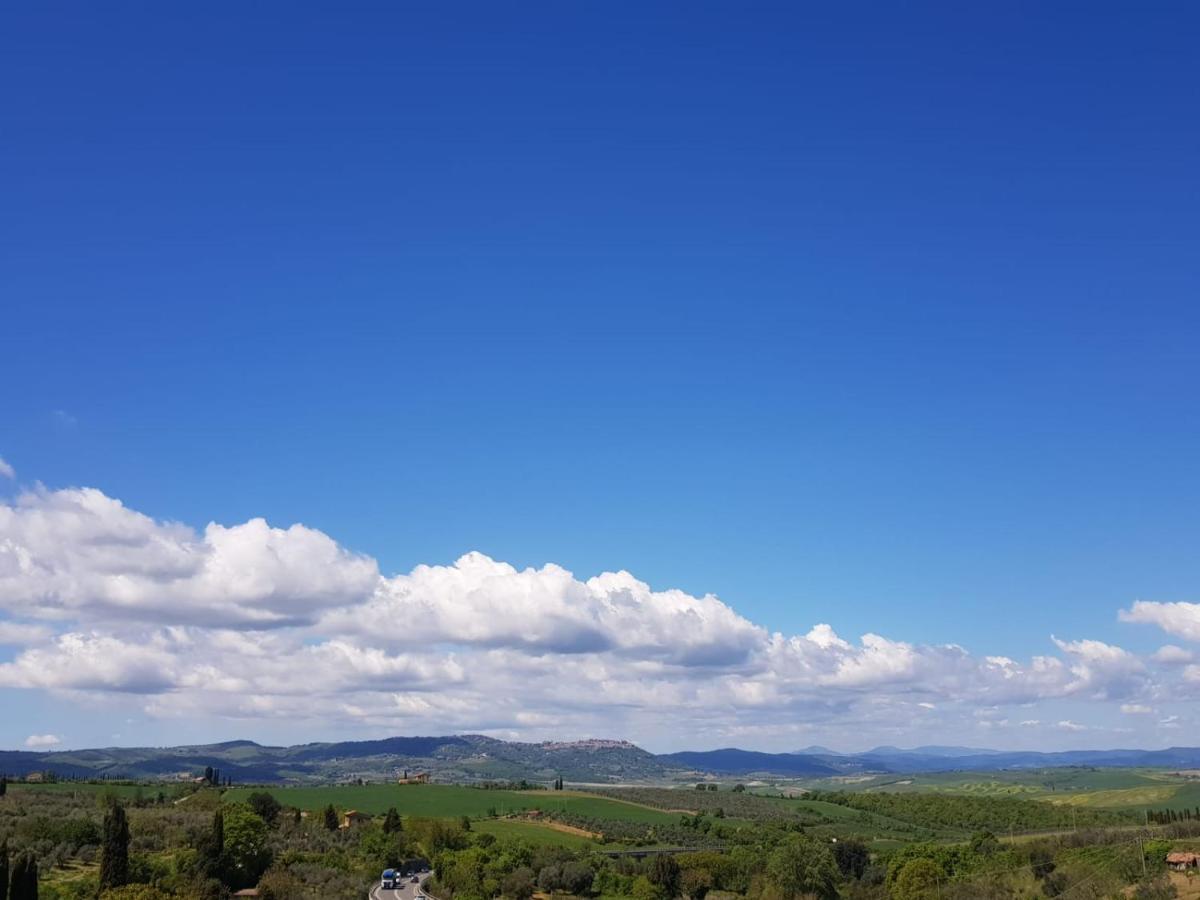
3 787
391 823
212 847
4 869
331 821
114 851
23 884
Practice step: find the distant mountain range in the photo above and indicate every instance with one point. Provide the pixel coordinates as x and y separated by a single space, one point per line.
473 758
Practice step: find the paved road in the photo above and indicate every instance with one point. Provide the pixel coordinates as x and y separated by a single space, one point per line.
410 890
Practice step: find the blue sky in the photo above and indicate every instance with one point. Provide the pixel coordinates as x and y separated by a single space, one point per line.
877 318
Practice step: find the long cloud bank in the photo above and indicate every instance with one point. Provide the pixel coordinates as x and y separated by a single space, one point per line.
102 603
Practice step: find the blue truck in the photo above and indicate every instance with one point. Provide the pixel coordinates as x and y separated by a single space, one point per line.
391 879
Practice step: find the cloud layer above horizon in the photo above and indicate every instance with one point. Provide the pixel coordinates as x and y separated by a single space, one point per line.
104 605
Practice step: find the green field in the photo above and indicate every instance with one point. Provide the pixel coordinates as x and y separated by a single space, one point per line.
70 788
443 800
532 833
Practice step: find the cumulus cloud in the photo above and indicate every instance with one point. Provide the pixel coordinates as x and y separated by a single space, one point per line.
79 552
1170 655
479 601
1068 725
41 741
6 471
256 621
1181 619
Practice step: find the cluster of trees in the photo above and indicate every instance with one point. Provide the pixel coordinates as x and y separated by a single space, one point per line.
740 804
962 813
212 777
1167 816
558 784
785 866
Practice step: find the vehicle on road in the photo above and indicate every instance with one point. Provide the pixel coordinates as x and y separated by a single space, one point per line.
390 879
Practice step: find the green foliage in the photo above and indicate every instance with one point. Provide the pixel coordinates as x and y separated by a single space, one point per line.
665 875
852 857
279 884
135 892
518 884
951 811
329 818
246 854
801 865
917 879
392 823
114 851
265 806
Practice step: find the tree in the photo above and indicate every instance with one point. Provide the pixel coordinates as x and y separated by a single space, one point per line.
208 774
392 823
851 857
265 806
664 874
279 884
136 892
801 865
4 869
3 791
465 821
114 849
330 818
696 883
210 849
246 854
23 883
739 788
576 877
518 884
919 879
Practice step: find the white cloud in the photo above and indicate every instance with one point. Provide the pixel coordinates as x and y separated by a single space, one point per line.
1136 709
249 621
1170 655
78 552
7 471
1068 725
479 601
1181 619
1030 723
41 741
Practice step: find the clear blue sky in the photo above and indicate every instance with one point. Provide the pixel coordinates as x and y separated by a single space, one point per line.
879 316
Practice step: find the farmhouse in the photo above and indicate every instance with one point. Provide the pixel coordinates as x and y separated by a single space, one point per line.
1181 861
415 778
353 817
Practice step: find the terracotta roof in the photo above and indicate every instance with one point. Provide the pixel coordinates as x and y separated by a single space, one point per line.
1180 856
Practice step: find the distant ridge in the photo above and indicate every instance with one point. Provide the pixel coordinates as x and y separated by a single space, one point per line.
474 757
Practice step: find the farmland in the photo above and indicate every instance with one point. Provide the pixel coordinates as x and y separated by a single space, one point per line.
443 800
